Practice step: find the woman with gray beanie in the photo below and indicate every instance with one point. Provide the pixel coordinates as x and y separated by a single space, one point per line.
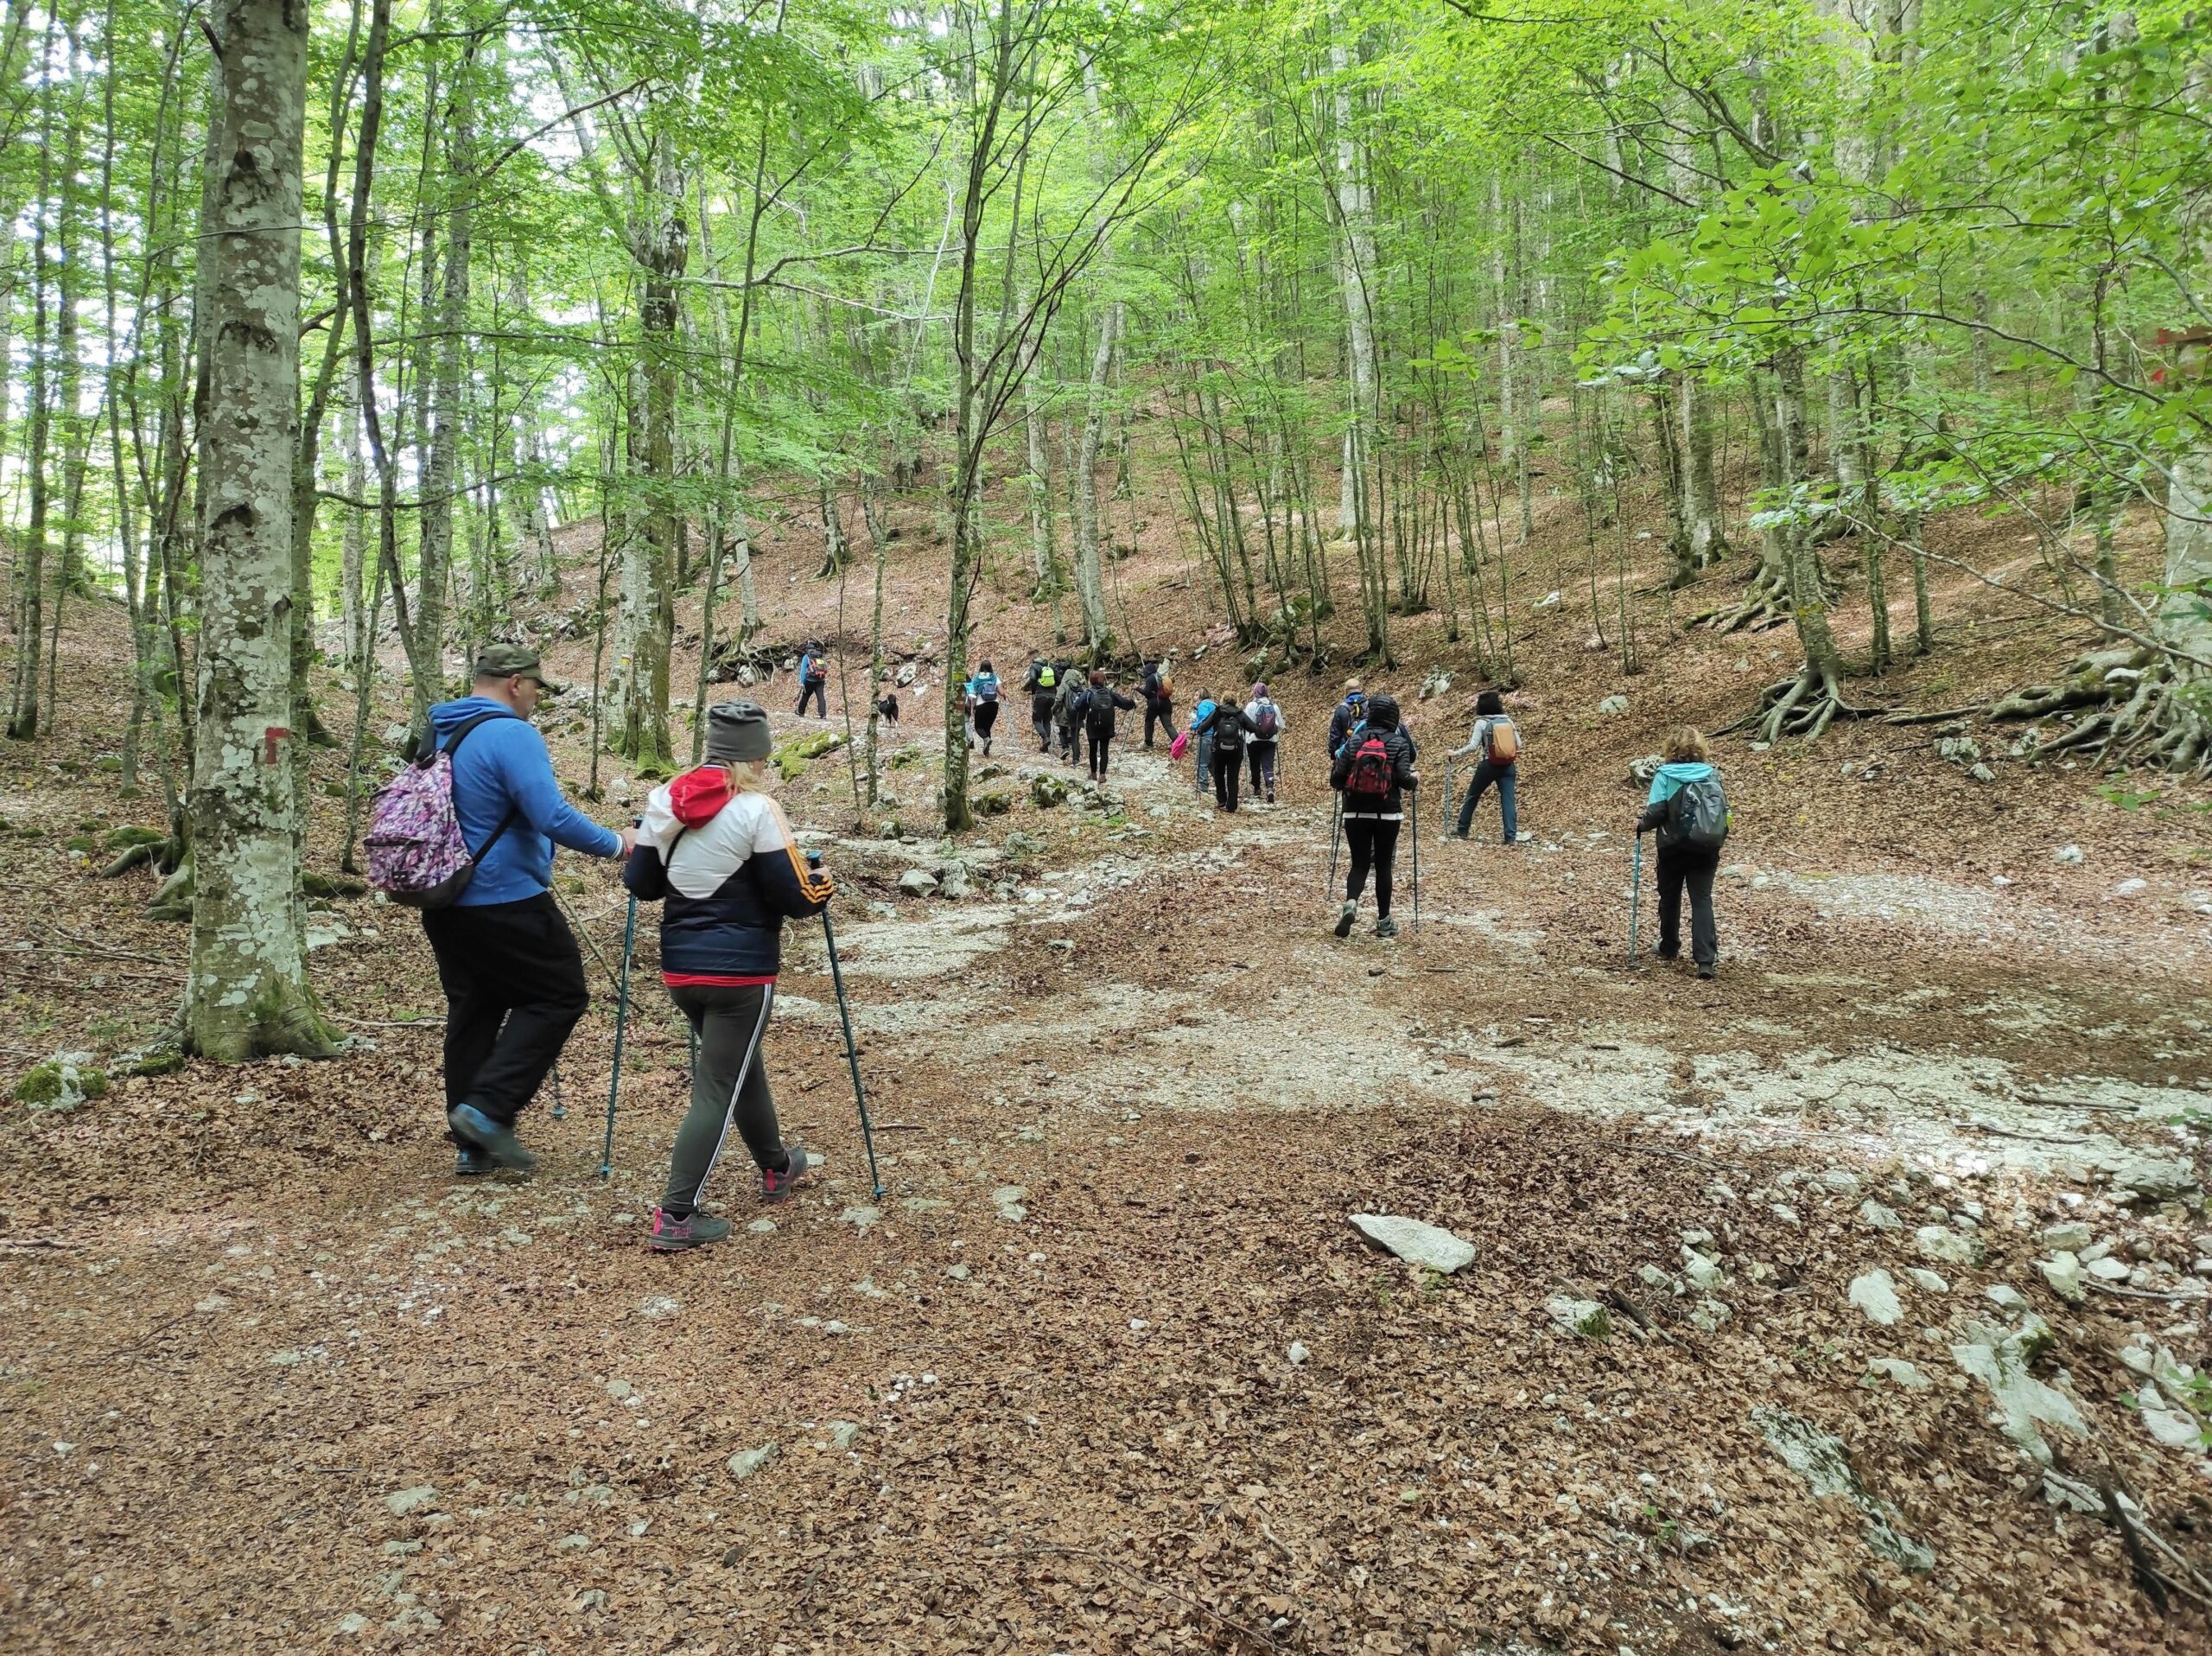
719 853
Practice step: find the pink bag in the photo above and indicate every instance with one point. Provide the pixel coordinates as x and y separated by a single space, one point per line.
1177 747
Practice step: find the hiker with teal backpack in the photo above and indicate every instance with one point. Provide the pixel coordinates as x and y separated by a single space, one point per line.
1201 742
1688 810
813 679
983 703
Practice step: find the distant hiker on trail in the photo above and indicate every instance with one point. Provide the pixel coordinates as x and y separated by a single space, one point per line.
513 980
888 707
1201 742
1041 685
1158 699
719 853
1067 711
1223 730
1265 721
1351 713
1498 740
1373 773
1690 809
983 703
813 678
1100 703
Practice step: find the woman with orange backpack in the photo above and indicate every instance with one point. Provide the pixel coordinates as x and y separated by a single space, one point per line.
1498 740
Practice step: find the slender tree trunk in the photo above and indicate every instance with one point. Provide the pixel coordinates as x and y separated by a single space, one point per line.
23 722
1090 576
247 991
441 442
1707 541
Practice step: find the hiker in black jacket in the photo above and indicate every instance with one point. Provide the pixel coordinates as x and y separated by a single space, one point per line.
1158 699
1374 773
1100 703
1227 726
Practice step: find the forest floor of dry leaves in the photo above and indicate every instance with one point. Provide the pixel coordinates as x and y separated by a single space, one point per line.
1105 1368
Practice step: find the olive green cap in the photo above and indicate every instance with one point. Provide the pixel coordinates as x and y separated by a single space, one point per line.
507 660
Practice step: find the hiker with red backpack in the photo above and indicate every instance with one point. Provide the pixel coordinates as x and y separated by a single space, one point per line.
716 850
507 962
1496 739
1689 809
1372 773
1223 728
813 679
1265 721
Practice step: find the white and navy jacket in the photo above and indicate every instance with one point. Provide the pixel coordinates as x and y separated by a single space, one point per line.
729 882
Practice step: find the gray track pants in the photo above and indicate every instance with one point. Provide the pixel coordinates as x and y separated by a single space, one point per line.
729 1088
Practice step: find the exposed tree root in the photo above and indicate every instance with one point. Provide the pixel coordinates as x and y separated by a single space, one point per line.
1803 705
1765 603
2146 716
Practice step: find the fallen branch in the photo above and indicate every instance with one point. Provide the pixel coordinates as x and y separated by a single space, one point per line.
2141 1293
1937 718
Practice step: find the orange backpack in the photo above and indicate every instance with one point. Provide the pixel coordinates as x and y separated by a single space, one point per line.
1504 742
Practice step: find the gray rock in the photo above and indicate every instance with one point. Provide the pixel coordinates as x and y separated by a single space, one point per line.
1844 1183
2062 1271
1819 1457
1876 1294
860 1217
1613 704
1999 1360
1880 1217
2151 1175
572 1544
1417 1244
843 1434
1298 1353
1703 1274
2073 1236
353 1622
958 1273
2109 1270
917 882
746 1462
1927 1280
403 1501
762 1226
1904 1374
1947 1246
2006 1298
1709 1315
1578 1316
2069 855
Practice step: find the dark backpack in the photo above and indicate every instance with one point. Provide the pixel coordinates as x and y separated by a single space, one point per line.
1697 815
1264 725
1098 709
1372 773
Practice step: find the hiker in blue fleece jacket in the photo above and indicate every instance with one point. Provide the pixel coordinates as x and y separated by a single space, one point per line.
1688 759
513 979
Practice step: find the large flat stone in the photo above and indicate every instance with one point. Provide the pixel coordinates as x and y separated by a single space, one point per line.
1415 1243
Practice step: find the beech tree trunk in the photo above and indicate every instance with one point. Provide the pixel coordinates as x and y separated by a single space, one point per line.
247 992
1090 574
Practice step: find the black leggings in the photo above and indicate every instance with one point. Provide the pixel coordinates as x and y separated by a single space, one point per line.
1228 770
1263 767
1372 843
1099 743
820 693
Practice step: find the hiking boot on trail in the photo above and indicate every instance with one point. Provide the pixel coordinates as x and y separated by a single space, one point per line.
1345 920
1709 971
1386 927
694 1230
494 1139
469 1162
777 1187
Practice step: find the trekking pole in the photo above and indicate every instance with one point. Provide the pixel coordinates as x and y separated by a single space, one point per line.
1635 895
621 1022
560 1104
1336 827
851 1053
1416 813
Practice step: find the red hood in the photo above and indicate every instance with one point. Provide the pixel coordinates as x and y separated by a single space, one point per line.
696 797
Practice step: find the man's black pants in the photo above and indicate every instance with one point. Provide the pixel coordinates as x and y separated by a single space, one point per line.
820 693
514 986
1160 713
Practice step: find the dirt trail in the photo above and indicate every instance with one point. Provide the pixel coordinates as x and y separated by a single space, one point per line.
1105 1369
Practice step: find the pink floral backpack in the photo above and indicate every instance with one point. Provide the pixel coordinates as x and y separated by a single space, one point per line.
417 855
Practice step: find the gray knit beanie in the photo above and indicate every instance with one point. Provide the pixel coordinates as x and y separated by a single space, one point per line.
737 730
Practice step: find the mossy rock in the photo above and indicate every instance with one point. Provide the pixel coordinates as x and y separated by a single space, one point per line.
1045 792
122 839
992 805
111 763
162 1060
795 755
60 1083
80 843
333 885
906 756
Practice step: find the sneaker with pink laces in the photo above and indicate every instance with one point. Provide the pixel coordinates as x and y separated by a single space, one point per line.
775 1186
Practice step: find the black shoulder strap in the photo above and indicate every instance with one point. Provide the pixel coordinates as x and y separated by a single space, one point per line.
452 747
